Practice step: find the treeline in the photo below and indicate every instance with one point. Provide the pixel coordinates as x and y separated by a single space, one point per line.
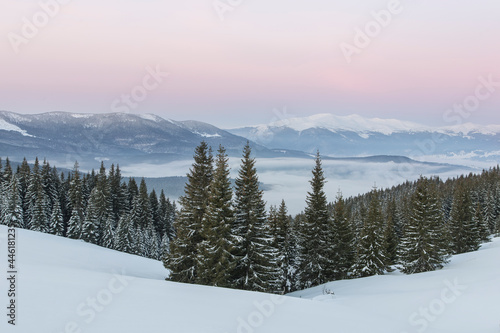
222 235
97 207
226 238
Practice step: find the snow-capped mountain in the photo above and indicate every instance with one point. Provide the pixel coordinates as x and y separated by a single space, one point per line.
120 137
358 136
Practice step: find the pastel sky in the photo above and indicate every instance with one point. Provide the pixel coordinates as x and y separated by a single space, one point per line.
264 56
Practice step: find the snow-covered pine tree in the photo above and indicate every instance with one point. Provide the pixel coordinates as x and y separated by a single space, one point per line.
124 240
38 202
424 243
91 228
109 233
462 225
24 175
283 241
315 263
256 267
12 211
183 249
76 202
215 260
343 240
56 222
481 223
117 193
371 257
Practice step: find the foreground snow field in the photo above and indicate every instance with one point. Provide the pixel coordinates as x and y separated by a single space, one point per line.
70 286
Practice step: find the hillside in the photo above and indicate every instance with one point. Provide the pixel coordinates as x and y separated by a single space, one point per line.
71 286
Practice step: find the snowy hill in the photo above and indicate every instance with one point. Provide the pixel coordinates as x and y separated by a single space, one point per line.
358 136
71 286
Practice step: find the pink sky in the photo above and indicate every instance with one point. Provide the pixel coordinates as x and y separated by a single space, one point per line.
261 57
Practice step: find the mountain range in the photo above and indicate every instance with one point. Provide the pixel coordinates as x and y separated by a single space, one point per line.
130 138
358 136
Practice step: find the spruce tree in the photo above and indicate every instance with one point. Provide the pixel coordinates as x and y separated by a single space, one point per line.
215 260
464 229
343 240
56 223
124 239
282 232
316 265
76 203
256 268
182 259
11 210
424 243
371 258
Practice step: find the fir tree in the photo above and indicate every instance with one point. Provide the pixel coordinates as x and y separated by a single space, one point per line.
371 256
256 267
77 207
283 241
56 223
215 260
124 240
424 244
343 240
12 211
316 266
182 259
465 232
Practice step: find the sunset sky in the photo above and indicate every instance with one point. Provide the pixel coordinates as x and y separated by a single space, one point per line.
263 56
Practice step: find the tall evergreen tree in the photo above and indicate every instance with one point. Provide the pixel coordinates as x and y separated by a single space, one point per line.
465 233
316 266
56 222
371 256
424 246
11 210
282 232
76 199
215 260
343 240
182 259
256 267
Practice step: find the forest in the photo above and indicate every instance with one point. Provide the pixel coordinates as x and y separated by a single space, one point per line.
224 235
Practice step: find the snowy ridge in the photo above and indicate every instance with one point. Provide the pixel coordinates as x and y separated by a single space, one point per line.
363 126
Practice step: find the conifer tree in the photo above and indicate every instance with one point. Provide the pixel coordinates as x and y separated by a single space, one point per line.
124 240
56 223
424 243
343 240
371 258
11 210
215 260
465 233
283 241
256 268
76 203
182 259
316 266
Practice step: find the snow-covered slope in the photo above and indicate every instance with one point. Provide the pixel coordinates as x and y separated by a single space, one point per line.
70 286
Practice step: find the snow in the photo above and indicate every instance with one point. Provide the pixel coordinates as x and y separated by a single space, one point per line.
363 126
10 127
206 135
82 115
149 116
70 286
